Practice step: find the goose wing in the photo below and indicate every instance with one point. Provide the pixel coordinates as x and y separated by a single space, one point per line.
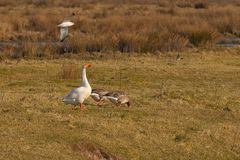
115 94
100 92
63 33
77 94
71 96
95 96
66 24
113 99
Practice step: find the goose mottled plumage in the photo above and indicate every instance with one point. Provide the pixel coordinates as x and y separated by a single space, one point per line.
98 95
118 98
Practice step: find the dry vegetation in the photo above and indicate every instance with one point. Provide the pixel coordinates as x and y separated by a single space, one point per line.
108 25
188 109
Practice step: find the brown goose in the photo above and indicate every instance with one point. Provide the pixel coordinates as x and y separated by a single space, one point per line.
118 98
98 95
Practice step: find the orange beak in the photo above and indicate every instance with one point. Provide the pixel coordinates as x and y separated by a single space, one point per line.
87 65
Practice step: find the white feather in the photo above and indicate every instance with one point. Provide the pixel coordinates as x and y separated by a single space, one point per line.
113 99
77 95
95 96
66 24
63 33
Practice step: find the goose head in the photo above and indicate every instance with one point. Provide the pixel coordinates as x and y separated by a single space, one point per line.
86 66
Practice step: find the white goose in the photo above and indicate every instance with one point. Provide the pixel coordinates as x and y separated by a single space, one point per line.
64 27
78 95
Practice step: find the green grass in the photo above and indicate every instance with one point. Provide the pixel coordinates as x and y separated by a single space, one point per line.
186 109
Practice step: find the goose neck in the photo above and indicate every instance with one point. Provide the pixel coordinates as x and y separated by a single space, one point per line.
84 78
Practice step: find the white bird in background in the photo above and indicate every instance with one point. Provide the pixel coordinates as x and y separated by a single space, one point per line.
64 27
78 95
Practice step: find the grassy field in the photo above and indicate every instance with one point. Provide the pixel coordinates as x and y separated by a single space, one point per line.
187 109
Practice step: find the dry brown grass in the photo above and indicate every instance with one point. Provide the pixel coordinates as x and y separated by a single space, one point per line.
121 26
69 71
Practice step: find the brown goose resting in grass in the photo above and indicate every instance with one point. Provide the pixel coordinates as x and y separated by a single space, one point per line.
118 98
98 95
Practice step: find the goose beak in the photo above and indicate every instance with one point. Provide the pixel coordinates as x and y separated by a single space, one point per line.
88 65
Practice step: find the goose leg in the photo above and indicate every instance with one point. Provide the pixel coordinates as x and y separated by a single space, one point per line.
82 106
